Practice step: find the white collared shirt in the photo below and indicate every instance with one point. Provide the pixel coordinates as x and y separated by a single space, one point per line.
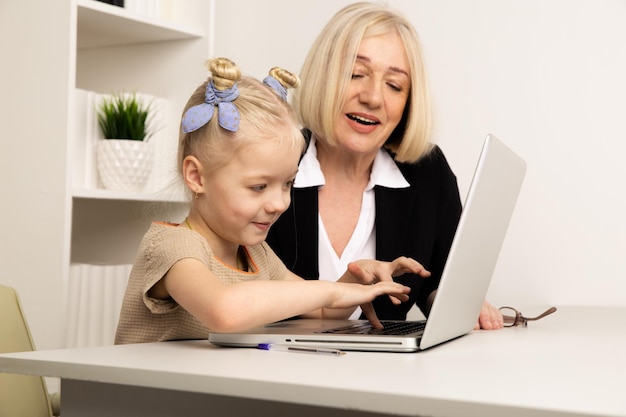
362 243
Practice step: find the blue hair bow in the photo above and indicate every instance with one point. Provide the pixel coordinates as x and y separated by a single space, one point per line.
276 86
227 114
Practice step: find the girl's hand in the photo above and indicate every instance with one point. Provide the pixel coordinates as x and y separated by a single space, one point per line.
352 295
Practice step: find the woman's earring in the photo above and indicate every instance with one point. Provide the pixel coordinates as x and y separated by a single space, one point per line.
196 196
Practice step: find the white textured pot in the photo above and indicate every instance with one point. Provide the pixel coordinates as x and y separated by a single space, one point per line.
124 165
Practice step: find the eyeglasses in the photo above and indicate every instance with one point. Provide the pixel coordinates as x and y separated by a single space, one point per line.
512 317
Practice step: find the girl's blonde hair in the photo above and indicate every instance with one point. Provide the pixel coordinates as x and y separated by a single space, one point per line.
262 113
327 71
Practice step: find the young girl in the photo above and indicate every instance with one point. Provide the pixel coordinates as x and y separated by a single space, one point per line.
238 154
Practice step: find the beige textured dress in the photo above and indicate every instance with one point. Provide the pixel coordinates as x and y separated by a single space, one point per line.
144 319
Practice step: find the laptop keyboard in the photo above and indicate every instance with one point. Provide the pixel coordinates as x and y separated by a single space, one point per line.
391 328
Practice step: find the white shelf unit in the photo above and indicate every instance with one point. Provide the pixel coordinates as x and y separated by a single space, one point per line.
55 48
121 51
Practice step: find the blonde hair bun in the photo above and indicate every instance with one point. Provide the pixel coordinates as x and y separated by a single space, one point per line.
285 78
225 72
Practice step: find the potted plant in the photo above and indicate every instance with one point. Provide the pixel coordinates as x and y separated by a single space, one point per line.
125 155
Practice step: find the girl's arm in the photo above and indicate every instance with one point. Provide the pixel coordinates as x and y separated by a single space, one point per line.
235 307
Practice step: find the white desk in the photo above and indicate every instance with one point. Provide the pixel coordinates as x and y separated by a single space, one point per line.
570 363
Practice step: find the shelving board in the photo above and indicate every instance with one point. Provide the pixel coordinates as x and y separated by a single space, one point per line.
103 194
101 25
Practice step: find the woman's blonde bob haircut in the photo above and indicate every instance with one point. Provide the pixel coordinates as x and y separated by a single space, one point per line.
327 71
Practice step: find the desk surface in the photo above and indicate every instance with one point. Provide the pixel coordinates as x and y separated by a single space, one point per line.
572 362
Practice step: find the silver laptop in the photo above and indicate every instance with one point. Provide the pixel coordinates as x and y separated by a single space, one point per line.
473 255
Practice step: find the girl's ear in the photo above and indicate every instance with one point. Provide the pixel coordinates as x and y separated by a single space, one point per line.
193 174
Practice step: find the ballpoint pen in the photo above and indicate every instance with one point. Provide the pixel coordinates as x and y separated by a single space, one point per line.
300 349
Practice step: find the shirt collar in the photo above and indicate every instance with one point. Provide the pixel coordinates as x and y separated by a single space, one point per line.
384 173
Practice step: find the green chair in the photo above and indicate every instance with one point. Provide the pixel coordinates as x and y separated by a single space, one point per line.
20 395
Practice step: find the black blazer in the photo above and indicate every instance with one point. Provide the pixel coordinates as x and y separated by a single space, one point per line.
418 222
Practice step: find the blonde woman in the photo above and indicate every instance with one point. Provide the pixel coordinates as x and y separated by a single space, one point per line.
371 184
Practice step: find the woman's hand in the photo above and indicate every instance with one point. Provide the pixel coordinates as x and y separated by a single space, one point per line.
490 318
375 273
367 271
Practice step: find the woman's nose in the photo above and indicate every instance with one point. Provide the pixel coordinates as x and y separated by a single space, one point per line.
371 94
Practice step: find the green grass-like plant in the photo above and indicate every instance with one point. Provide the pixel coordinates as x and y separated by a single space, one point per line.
124 116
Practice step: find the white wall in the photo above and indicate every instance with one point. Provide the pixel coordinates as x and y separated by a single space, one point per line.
546 76
33 161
